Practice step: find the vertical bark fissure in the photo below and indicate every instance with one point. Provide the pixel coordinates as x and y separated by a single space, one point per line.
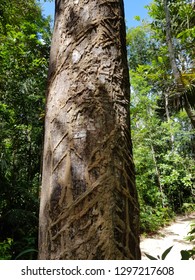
89 207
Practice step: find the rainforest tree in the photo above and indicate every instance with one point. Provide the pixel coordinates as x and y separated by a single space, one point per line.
89 207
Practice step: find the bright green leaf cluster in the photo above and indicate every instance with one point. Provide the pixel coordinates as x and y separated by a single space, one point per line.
163 138
24 52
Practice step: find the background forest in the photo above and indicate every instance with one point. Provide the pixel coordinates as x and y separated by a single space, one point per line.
162 117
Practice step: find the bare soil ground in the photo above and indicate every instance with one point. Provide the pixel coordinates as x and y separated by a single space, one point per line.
173 234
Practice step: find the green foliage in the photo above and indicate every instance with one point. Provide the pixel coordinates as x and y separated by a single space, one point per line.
24 51
187 254
5 249
152 218
191 234
30 253
182 17
163 257
139 46
188 207
164 171
163 139
137 18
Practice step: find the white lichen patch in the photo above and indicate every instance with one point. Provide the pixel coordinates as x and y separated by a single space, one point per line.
102 79
76 56
80 134
90 86
76 1
85 13
97 51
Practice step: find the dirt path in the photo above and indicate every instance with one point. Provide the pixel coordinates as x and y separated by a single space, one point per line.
172 235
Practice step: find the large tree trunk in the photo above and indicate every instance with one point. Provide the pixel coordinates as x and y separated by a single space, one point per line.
89 207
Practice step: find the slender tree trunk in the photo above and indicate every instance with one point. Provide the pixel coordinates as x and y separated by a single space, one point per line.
168 118
89 207
160 186
176 73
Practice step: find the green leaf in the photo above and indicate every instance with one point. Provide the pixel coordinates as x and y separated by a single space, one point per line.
166 252
160 59
150 257
185 255
25 252
137 18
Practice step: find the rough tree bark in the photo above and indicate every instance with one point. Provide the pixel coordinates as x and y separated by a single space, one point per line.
89 207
